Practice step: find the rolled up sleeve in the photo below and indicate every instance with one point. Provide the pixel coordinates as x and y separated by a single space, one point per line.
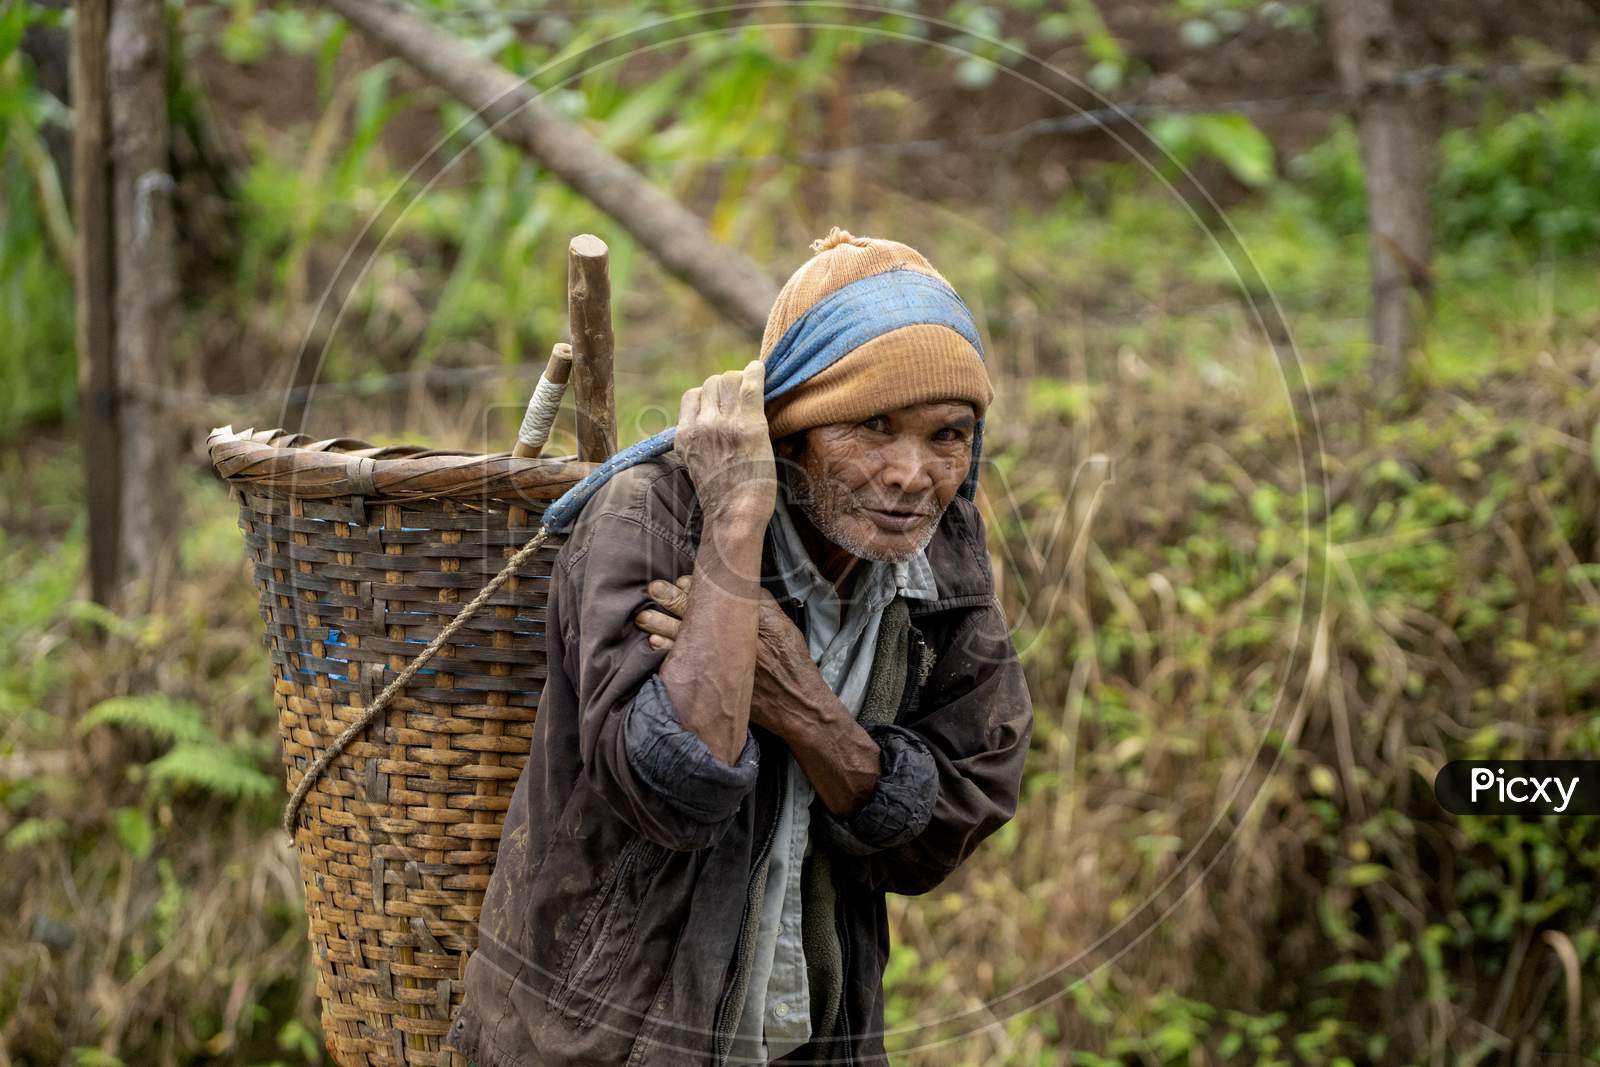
901 803
636 755
677 765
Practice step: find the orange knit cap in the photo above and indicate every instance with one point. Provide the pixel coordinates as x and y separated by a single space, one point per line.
909 365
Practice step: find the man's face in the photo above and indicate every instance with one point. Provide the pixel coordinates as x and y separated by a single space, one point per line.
877 488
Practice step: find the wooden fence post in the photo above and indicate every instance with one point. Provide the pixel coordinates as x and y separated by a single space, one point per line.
146 286
1396 156
94 295
126 277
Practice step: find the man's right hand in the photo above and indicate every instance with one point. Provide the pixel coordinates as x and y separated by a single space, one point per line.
722 438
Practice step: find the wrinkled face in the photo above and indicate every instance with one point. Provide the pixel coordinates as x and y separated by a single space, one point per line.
877 488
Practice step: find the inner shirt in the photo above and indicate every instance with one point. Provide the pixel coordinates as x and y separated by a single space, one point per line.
842 638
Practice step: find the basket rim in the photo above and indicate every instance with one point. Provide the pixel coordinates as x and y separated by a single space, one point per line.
294 466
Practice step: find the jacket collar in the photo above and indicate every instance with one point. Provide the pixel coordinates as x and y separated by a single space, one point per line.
959 558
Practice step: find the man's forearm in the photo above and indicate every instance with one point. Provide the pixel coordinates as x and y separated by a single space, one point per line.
838 757
710 671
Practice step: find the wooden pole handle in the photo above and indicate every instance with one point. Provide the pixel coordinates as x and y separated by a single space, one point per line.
593 346
544 403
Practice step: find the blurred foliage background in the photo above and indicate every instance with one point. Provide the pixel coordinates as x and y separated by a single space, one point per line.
1250 647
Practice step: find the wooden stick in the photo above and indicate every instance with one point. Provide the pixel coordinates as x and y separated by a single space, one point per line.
733 283
589 313
145 267
97 370
531 441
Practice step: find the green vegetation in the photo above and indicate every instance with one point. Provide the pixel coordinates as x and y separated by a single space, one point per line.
1244 674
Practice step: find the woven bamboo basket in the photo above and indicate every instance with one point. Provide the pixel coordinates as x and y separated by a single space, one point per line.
361 556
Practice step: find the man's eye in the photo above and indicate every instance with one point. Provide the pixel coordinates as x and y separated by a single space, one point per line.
949 434
877 424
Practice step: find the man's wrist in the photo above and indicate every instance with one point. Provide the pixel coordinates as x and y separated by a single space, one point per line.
740 515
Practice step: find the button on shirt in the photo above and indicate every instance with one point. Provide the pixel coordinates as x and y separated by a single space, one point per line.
842 638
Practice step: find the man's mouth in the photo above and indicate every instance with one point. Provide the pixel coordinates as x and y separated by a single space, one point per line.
894 520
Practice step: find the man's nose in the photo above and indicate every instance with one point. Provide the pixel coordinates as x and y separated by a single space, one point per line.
906 468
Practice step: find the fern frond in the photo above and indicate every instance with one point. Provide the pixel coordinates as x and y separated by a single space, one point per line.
213 768
170 720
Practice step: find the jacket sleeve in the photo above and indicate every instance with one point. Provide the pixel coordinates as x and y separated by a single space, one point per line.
637 756
969 735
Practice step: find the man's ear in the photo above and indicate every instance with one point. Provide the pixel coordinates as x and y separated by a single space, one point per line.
789 447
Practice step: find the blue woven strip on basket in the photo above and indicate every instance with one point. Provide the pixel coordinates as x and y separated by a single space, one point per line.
335 639
839 323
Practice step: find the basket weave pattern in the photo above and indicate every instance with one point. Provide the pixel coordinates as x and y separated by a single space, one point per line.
397 839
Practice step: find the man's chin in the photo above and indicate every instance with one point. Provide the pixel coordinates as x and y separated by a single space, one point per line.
880 546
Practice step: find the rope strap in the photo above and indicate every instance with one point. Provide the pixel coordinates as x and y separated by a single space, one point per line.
314 772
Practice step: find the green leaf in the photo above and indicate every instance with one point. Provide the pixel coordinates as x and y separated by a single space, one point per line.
974 73
89 1056
170 720
34 831
1232 140
87 611
134 831
1106 76
13 20
1365 874
1199 33
214 769
1241 147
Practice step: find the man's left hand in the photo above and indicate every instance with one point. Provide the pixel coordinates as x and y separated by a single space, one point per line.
784 669
790 698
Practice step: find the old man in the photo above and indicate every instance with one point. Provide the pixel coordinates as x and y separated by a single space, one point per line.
780 686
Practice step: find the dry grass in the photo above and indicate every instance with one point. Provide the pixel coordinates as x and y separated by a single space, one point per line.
1172 890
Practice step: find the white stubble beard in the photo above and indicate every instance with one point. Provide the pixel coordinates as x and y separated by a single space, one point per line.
826 520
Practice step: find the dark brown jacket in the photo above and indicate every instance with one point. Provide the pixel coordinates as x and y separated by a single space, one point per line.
616 927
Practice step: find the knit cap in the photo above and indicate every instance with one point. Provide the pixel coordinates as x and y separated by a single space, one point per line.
863 327
910 364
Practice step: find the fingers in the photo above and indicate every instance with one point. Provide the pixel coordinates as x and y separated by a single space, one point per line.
658 623
673 598
728 385
752 383
717 395
741 391
689 407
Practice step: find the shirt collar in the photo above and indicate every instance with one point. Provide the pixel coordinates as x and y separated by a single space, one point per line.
911 577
